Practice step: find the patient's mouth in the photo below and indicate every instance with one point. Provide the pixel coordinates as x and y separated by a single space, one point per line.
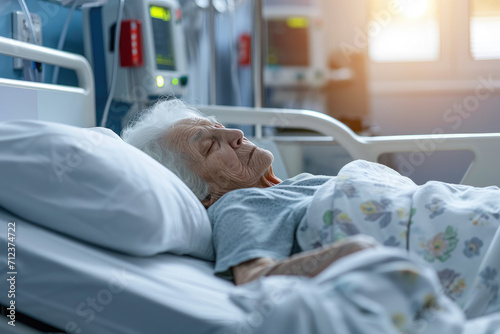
251 154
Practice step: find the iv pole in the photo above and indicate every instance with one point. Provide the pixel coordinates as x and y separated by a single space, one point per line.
257 60
213 54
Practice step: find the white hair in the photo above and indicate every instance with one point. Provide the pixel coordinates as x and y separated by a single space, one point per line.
147 132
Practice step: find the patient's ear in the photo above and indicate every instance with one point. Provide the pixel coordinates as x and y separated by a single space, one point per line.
207 201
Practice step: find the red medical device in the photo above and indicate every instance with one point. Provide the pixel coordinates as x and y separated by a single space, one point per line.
131 53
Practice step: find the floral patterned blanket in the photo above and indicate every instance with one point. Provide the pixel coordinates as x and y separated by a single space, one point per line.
454 228
376 291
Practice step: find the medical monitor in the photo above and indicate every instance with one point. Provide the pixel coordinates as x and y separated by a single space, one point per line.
288 42
163 72
161 23
296 54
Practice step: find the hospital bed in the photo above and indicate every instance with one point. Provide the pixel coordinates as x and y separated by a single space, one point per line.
165 292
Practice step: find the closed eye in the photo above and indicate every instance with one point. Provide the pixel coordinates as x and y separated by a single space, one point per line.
210 147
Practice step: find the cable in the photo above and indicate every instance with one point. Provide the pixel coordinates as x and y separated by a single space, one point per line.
234 54
24 7
115 63
28 64
62 38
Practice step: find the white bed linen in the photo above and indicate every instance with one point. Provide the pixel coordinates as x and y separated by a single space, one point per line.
57 278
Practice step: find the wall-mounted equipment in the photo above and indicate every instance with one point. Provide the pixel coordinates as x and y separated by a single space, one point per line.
21 31
152 48
296 54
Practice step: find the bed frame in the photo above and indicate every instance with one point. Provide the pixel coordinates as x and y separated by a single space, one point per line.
76 106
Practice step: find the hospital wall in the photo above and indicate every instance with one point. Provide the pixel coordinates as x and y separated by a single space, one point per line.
447 112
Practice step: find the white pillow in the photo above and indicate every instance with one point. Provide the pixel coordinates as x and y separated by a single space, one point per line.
91 185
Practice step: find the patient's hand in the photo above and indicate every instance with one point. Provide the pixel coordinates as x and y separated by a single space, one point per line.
313 262
308 263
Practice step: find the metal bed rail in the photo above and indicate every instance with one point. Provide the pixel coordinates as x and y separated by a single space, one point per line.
78 63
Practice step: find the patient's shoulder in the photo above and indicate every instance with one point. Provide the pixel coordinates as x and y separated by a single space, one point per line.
306 179
244 195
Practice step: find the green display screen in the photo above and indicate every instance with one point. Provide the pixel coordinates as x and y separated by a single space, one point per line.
161 21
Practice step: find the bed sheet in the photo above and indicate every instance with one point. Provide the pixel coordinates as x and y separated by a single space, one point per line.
80 288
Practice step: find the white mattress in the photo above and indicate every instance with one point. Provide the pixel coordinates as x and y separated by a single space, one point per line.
58 279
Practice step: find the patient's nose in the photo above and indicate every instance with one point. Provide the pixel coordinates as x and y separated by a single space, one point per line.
234 137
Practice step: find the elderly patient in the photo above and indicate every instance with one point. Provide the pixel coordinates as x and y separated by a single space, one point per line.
254 214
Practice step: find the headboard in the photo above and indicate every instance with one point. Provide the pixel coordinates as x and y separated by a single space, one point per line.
47 102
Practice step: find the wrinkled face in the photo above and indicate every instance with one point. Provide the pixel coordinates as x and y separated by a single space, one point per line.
223 157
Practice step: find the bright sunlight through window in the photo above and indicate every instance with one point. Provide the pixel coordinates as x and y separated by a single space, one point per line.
404 30
485 29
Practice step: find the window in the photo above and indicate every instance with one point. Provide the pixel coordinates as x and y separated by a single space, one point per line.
433 45
485 29
404 31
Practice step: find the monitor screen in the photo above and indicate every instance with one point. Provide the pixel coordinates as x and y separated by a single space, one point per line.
161 21
288 42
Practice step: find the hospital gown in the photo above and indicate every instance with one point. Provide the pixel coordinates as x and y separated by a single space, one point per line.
255 222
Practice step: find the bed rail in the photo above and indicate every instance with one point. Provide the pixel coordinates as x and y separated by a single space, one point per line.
78 63
483 171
